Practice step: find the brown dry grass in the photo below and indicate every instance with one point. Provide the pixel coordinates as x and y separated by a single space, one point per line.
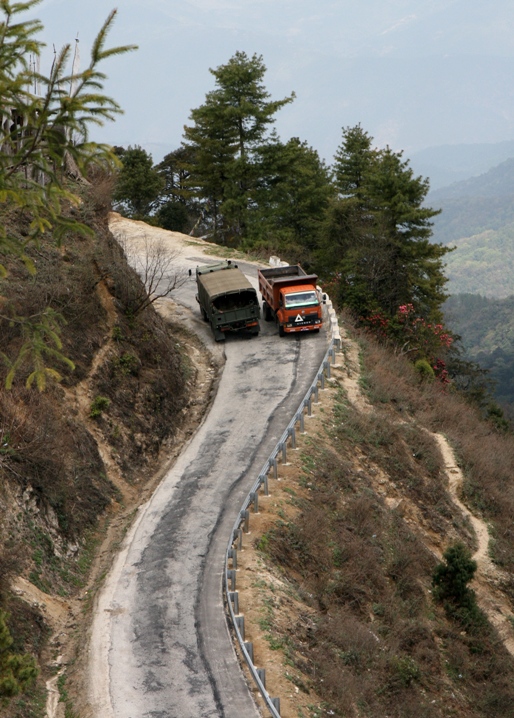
485 455
343 554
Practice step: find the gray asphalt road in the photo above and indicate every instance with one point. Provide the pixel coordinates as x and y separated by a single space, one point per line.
161 645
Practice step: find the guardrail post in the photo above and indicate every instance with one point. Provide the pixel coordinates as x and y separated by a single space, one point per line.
292 434
245 515
254 498
309 405
316 394
240 623
237 538
284 453
264 482
302 421
275 702
234 597
275 468
249 650
322 379
327 367
261 672
231 575
232 553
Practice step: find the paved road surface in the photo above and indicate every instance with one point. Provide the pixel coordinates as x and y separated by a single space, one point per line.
161 647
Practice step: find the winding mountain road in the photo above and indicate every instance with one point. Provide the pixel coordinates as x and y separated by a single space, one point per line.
160 646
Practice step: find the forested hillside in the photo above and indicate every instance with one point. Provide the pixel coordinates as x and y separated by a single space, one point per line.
477 219
487 330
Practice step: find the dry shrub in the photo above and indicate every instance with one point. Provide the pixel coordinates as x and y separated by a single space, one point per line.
49 451
485 454
99 193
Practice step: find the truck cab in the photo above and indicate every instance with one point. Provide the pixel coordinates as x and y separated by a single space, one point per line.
291 297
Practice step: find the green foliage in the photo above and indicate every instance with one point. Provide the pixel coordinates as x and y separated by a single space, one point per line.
424 370
98 405
138 185
375 239
16 671
179 211
40 339
291 198
224 139
483 263
173 216
127 364
486 327
450 585
43 135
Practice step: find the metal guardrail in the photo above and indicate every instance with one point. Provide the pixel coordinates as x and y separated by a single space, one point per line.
241 524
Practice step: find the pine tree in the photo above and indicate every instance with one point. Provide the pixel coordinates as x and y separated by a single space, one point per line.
138 185
17 671
228 130
291 199
44 138
377 233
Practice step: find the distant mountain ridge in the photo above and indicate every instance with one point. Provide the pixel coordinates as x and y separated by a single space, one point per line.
445 165
497 182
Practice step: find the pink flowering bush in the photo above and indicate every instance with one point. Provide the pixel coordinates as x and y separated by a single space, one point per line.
413 335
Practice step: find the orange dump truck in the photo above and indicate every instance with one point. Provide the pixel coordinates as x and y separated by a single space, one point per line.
291 298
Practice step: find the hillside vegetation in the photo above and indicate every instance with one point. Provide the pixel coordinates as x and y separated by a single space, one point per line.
487 330
77 453
338 587
95 386
477 219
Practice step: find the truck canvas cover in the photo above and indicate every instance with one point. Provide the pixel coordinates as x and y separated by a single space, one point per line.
224 281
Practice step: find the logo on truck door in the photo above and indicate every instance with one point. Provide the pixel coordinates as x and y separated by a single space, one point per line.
299 318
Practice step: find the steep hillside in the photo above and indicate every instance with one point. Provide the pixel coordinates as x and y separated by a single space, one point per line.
335 578
487 330
478 220
77 457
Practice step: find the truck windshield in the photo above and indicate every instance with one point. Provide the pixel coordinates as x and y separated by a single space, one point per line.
301 299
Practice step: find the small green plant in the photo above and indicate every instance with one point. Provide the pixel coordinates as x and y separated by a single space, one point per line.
424 370
117 334
450 585
127 364
98 405
263 543
16 671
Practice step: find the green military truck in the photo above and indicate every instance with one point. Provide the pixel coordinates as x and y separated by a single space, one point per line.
227 299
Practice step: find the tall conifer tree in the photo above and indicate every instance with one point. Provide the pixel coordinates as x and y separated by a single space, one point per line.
376 237
226 134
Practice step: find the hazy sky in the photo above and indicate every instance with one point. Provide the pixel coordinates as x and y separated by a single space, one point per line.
414 73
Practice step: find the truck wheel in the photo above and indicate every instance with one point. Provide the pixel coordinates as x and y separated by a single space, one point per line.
281 331
204 314
267 312
218 336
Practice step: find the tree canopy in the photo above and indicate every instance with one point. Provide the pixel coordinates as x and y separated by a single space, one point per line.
138 185
224 140
44 136
376 236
